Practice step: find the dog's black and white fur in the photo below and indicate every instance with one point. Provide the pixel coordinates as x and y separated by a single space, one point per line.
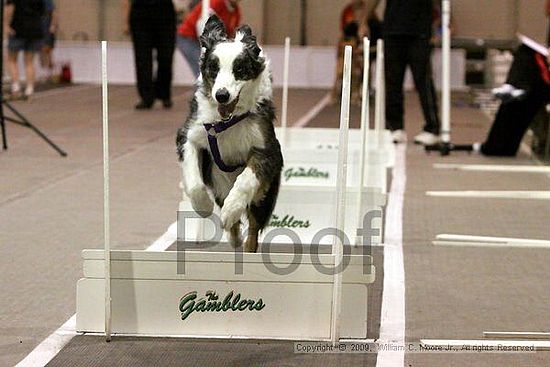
235 79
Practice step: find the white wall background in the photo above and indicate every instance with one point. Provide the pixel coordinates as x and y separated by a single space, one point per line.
311 67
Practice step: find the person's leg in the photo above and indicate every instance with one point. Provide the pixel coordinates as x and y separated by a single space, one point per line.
524 69
395 66
165 43
191 51
421 67
29 54
511 123
13 52
46 55
142 40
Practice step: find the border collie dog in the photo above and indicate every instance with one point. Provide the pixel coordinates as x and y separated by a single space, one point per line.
227 146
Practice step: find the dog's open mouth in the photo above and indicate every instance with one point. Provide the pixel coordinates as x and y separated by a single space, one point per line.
226 110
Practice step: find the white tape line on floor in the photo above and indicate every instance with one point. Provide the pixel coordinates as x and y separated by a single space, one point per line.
525 195
493 168
521 335
306 119
502 345
52 345
392 323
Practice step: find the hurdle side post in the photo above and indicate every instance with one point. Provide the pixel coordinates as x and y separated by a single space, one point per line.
106 218
205 10
446 71
284 111
200 235
383 98
341 187
379 104
365 122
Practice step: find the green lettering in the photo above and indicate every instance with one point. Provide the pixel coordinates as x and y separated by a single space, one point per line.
187 303
243 305
259 305
226 304
201 305
235 301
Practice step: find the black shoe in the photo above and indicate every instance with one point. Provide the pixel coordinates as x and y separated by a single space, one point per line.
167 103
144 105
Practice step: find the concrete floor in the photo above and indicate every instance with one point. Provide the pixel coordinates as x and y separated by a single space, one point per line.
51 209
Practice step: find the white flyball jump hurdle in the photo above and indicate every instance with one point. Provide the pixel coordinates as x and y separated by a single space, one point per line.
306 202
310 153
229 295
379 140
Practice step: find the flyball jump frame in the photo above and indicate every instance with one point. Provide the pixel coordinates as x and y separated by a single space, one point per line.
371 154
308 150
378 140
205 295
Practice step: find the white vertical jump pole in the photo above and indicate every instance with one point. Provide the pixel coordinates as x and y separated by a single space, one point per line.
382 99
379 104
205 10
365 122
338 245
284 112
446 69
106 219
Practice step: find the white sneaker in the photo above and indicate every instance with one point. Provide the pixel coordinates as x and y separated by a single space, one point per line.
29 90
15 87
399 136
426 138
508 92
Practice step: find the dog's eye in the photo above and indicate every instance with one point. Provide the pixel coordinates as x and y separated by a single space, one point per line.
239 69
212 68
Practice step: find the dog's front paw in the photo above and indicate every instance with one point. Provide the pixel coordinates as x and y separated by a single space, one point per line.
232 212
201 202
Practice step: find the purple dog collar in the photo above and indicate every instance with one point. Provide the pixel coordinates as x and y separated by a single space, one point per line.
213 129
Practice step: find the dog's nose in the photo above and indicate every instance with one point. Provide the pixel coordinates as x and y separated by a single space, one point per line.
222 95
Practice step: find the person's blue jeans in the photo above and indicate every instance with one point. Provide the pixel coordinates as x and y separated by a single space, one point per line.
191 51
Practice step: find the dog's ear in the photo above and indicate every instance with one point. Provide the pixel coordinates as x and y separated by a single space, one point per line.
249 40
214 32
244 31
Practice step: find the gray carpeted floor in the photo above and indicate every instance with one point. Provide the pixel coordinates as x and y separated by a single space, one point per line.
457 293
50 209
95 352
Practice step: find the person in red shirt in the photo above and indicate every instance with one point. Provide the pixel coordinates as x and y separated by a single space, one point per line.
355 12
191 28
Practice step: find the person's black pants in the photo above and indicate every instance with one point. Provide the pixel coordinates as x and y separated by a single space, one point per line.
153 27
415 52
513 118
